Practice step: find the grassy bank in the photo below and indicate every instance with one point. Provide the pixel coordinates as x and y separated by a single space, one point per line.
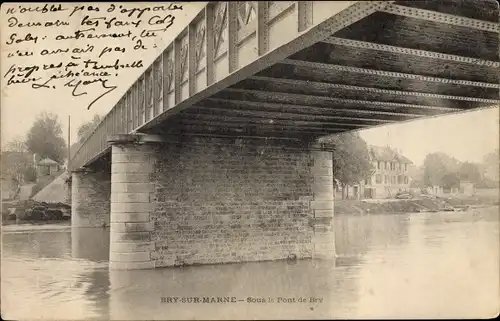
362 207
36 223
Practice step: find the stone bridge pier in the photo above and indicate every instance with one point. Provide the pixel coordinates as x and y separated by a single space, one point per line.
204 200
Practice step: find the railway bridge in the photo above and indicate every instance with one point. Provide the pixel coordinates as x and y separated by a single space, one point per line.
212 155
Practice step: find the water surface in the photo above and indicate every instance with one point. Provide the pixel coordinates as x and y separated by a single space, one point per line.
440 265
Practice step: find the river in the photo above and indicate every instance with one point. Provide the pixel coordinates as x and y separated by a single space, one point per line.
441 265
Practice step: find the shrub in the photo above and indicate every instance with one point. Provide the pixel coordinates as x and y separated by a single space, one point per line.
30 174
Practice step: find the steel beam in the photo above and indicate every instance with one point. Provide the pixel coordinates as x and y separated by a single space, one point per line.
232 29
191 67
281 115
260 120
165 75
130 113
244 124
320 110
446 18
262 27
236 136
324 85
265 95
410 52
325 66
245 131
209 43
248 129
304 15
177 71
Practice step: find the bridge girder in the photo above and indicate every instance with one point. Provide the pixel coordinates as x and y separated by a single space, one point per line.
369 64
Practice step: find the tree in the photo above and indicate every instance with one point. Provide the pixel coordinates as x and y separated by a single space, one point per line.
45 137
16 145
450 180
86 129
436 166
417 176
351 160
491 166
16 160
470 172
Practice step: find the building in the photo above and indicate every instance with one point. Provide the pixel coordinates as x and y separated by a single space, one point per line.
47 167
391 173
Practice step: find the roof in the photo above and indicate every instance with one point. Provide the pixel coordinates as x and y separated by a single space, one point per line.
387 154
54 192
47 161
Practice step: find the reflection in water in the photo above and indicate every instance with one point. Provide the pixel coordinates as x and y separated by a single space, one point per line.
49 244
356 235
90 244
420 265
144 289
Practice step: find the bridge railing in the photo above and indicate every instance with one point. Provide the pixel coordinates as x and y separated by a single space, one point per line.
225 43
143 101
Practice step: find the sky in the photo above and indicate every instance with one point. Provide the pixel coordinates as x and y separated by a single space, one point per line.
467 137
21 104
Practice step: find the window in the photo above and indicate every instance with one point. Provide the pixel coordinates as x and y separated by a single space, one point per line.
406 167
406 179
378 165
393 180
378 178
386 179
400 179
367 181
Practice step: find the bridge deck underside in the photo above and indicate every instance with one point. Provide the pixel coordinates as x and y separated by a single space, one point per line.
391 66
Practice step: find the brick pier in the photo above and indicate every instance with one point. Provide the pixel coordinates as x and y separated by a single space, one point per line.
90 192
203 200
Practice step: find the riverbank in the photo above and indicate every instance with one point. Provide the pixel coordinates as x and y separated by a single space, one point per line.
437 204
36 226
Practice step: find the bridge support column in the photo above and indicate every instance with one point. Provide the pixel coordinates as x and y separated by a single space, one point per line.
90 192
132 193
323 240
201 200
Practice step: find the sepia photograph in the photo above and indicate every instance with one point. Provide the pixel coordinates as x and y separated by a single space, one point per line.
250 160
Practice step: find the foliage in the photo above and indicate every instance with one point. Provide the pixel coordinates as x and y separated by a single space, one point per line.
16 145
436 166
491 166
450 180
470 172
29 174
351 160
443 170
86 129
492 158
45 137
417 180
15 159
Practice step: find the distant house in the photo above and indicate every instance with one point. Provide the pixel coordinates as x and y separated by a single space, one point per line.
434 190
47 167
391 173
467 188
